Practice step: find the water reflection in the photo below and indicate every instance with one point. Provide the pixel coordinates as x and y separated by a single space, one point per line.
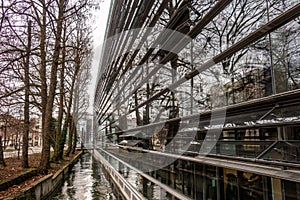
86 181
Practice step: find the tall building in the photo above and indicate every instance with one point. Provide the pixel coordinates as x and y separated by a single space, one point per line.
200 99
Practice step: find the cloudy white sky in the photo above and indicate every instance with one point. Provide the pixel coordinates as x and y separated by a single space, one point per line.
100 27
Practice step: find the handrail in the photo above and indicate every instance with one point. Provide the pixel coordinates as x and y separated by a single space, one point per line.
127 189
204 158
148 177
259 104
254 126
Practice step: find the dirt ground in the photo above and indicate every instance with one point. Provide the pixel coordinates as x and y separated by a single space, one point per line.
14 168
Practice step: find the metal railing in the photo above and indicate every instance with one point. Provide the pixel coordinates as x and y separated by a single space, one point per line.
167 188
127 190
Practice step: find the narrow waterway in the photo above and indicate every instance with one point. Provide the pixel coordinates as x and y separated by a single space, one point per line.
86 181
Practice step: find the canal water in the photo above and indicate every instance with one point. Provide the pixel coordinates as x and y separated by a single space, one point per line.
86 181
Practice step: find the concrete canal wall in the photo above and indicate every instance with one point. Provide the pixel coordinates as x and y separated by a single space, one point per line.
45 186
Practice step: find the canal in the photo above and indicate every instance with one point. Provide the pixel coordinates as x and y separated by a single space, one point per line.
85 181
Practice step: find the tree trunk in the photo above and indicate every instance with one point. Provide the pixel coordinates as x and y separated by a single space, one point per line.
77 67
74 118
68 115
26 105
137 114
2 162
146 118
43 77
70 139
64 132
45 158
74 139
58 152
75 114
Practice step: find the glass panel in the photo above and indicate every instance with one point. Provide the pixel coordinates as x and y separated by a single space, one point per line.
251 186
198 181
285 151
292 190
237 148
230 184
178 175
211 182
285 54
276 189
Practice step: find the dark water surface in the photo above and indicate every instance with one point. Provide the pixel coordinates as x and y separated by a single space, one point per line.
86 181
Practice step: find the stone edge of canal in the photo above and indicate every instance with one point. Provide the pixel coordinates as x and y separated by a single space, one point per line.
47 185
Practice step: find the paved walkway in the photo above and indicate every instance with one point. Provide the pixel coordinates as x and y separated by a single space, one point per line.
31 150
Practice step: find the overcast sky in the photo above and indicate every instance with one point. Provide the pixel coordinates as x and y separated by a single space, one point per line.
100 23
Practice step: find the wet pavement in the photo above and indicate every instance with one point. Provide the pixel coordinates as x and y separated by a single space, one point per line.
86 181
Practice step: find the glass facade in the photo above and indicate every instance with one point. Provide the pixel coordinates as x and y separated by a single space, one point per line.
216 82
200 181
209 182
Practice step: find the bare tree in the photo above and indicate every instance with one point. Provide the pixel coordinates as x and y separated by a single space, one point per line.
45 56
2 162
26 104
79 79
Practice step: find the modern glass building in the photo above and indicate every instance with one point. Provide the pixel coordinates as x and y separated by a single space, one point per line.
200 99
